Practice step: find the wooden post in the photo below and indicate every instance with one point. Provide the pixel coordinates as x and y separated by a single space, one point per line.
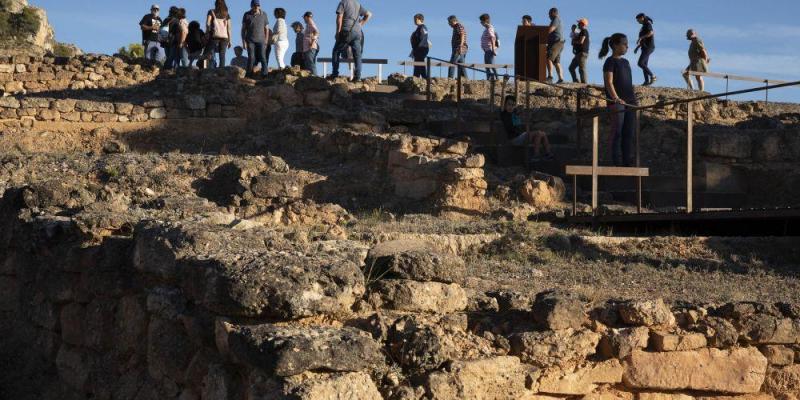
492 89
458 88
638 162
689 157
428 80
527 94
595 144
578 121
574 195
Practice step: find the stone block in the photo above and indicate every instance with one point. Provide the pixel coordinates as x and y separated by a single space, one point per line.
581 380
730 145
558 310
492 378
158 113
9 102
736 371
426 297
778 355
669 342
545 349
647 313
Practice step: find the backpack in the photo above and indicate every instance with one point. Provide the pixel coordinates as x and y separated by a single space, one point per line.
496 39
219 27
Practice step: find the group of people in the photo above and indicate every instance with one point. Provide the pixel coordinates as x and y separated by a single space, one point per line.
185 43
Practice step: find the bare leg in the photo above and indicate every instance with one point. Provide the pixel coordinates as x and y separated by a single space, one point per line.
688 80
560 72
701 83
549 69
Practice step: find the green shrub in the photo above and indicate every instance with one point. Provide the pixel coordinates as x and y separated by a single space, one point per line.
63 50
19 25
134 50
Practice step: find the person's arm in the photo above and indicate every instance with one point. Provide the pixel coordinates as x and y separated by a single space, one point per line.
339 22
493 40
367 15
184 35
208 22
144 25
230 35
244 31
608 77
552 27
462 37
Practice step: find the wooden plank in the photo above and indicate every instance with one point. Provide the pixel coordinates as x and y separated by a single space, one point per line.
735 77
689 157
595 160
586 170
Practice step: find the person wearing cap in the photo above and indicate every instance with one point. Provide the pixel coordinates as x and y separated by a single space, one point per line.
580 48
255 37
698 60
350 20
150 26
310 43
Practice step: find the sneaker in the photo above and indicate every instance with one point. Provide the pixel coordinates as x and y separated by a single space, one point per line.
355 80
549 79
331 77
560 81
647 84
653 80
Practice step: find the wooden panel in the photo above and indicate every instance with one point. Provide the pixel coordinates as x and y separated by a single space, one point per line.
689 166
530 52
586 170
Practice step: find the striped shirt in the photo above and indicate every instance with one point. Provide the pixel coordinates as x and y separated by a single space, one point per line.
488 39
310 37
458 33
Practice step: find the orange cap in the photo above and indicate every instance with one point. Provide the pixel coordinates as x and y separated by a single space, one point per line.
583 21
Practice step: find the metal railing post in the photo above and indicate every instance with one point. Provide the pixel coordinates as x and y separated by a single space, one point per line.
595 144
638 162
429 95
689 158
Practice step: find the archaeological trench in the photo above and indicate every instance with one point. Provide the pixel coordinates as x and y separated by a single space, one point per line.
200 235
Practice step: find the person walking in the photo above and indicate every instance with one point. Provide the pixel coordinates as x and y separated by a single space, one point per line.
218 26
555 45
647 44
459 46
580 47
618 81
350 20
310 43
489 45
420 46
150 26
698 60
297 56
255 36
166 38
280 37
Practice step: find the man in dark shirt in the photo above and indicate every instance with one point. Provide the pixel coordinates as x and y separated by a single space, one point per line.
150 26
580 47
255 36
555 45
420 45
460 47
350 19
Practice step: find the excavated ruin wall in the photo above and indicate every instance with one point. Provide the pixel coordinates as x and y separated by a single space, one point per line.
190 311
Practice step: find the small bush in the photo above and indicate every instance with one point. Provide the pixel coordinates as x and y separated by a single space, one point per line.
19 25
63 50
134 50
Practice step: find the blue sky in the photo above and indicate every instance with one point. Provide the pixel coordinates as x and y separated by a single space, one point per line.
745 37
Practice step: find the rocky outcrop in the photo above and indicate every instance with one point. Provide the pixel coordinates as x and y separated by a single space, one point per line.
37 42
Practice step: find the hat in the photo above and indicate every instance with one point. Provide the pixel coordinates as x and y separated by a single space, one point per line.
155 7
583 21
255 3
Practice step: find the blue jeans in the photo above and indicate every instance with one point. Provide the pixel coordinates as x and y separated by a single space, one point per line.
256 54
488 58
343 41
152 50
169 61
310 60
457 58
217 46
644 59
623 130
182 55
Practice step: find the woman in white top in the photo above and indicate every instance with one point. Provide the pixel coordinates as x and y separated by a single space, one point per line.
280 37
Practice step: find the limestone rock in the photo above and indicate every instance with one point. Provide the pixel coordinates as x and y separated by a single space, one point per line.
776 355
499 378
346 386
782 381
545 349
647 313
286 351
663 396
409 259
768 329
278 185
668 342
580 380
537 193
426 297
619 343
558 310
738 371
